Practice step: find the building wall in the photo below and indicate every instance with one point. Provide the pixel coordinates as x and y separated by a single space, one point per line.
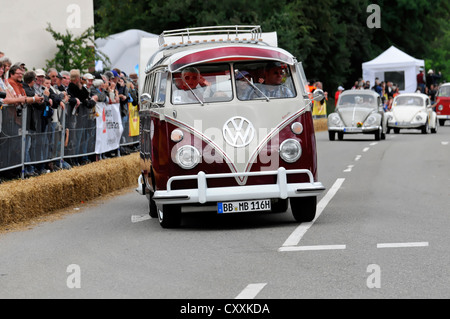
24 38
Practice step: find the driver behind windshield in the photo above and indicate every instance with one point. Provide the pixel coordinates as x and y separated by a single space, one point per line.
272 85
189 89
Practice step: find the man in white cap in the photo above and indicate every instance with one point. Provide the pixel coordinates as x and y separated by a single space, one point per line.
432 78
89 80
336 95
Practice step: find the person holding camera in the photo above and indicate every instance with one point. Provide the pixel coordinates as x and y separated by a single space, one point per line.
35 141
81 105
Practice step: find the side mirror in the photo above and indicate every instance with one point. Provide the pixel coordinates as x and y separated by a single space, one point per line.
318 95
146 98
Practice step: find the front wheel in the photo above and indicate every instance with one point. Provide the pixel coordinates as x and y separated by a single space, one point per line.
152 209
304 208
169 216
434 130
331 135
425 128
377 135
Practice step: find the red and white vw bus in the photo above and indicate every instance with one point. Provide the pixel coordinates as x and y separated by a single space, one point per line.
443 103
226 127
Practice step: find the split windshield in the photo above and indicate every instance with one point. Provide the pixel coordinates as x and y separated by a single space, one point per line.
212 82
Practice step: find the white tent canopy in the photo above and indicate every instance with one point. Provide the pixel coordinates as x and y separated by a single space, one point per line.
396 66
122 49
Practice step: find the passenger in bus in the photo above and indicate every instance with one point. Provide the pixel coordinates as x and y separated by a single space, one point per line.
273 82
191 90
243 87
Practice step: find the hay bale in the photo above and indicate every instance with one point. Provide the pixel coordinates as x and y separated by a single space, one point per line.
320 125
22 200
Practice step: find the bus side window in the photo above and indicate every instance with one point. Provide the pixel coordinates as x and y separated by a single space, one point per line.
160 87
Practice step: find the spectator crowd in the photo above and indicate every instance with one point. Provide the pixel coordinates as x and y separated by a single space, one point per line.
51 101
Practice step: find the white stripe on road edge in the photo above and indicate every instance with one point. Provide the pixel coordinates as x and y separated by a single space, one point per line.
366 149
251 291
139 218
358 157
318 247
298 233
374 143
402 245
444 143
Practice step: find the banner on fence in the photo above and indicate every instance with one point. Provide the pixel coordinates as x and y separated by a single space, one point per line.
109 128
133 115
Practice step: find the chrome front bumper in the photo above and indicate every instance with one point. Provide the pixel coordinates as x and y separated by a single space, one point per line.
405 125
352 129
204 194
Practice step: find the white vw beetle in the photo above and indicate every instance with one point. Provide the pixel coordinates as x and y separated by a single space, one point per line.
358 111
412 111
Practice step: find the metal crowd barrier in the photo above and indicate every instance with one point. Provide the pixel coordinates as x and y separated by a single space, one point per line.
49 142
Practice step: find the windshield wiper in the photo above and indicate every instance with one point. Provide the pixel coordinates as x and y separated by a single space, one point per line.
252 85
192 91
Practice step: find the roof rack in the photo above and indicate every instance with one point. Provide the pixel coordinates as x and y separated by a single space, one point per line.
232 32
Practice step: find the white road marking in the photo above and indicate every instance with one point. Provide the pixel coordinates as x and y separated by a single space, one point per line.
300 231
317 247
349 168
139 218
374 143
357 158
403 245
366 149
251 291
444 142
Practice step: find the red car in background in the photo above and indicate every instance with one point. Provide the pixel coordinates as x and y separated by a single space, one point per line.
443 103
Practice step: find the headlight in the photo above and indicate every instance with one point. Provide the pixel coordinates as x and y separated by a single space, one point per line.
335 120
440 107
418 118
188 157
290 150
371 120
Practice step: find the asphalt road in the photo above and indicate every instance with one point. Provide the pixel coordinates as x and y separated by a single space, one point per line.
383 232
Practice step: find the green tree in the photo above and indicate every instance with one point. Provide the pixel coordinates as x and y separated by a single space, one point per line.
330 37
74 52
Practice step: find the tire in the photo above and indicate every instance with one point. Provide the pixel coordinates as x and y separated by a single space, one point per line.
441 122
169 216
377 135
152 209
280 206
331 135
340 136
396 130
434 130
425 128
304 208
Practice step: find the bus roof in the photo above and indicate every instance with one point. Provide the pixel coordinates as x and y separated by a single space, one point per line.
222 53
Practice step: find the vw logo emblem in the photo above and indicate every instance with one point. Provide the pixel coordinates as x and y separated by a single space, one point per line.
238 131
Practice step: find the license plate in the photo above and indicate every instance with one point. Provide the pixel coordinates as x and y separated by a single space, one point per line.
244 206
353 129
